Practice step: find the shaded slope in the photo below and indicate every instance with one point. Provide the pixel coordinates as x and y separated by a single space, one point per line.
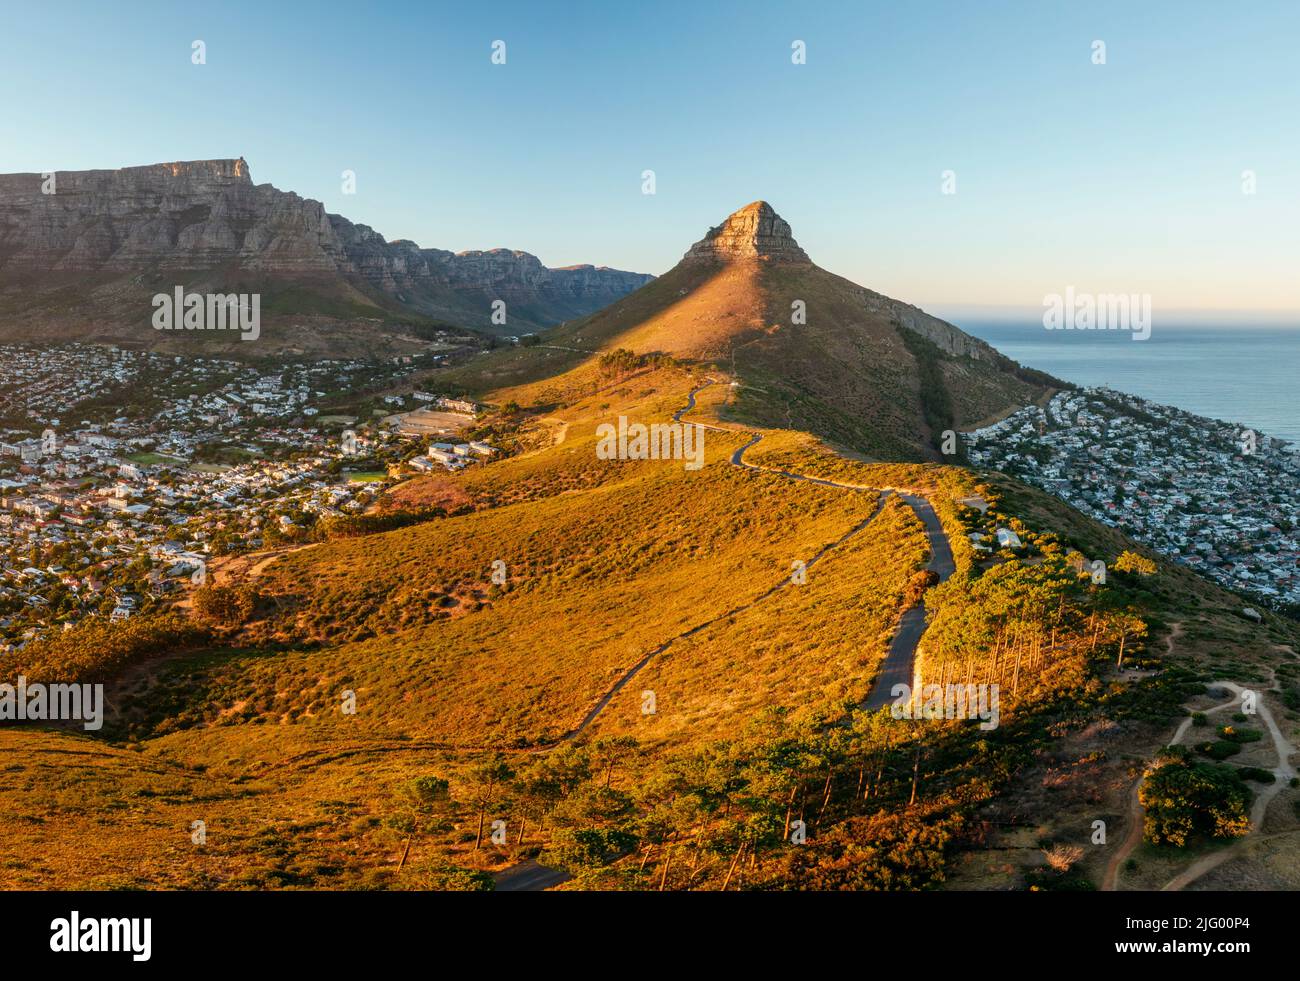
812 350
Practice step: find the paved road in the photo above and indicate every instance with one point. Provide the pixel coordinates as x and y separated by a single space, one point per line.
899 664
900 660
899 667
940 551
529 876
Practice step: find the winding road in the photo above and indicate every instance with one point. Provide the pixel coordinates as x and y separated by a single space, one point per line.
898 668
899 664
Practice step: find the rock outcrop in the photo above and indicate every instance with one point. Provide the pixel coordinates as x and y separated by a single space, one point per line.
757 232
811 350
753 232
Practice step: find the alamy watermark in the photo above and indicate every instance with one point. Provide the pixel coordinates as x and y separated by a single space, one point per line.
74 934
1098 311
949 701
179 310
52 703
658 441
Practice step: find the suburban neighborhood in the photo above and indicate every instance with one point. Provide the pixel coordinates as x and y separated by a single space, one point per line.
122 473
1215 497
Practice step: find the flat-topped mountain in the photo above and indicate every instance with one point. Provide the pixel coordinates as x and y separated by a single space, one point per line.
206 224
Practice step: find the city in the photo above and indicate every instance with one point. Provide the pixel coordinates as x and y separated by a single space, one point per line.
123 473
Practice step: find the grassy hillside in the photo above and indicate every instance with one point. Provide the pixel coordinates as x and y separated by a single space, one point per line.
511 691
848 369
655 673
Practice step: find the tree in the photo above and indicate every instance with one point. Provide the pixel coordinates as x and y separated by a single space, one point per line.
1132 562
1183 798
482 786
425 799
609 752
224 606
537 790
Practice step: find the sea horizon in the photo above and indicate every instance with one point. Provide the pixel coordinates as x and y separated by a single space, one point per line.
1233 373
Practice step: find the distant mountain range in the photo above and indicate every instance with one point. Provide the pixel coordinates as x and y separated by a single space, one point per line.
84 259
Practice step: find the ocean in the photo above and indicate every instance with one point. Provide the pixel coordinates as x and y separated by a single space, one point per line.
1244 375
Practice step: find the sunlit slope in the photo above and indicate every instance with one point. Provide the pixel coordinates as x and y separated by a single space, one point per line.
595 578
814 351
694 312
816 646
606 561
240 807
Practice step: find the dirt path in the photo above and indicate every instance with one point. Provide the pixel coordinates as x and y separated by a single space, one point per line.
1283 772
1110 877
633 671
1134 813
258 567
250 565
139 678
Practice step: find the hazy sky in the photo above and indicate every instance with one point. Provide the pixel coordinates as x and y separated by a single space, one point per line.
1122 177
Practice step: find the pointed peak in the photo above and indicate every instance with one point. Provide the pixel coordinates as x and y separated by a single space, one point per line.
755 231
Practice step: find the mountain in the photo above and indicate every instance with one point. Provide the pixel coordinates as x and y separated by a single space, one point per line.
87 257
811 350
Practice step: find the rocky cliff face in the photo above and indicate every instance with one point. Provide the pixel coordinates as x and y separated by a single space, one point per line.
209 215
753 232
949 339
757 232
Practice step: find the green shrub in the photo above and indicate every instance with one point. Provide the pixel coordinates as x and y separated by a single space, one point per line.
1184 798
224 606
1258 774
445 877
96 649
1220 749
1240 735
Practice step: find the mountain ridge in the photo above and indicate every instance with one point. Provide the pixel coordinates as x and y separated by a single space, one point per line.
208 217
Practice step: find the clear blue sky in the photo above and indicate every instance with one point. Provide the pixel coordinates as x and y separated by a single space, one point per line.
1117 177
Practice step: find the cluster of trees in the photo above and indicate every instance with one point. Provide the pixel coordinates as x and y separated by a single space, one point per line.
619 362
96 650
307 528
355 525
1184 798
224 606
1026 627
1134 563
784 804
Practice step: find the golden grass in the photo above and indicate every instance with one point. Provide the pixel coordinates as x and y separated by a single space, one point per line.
814 647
